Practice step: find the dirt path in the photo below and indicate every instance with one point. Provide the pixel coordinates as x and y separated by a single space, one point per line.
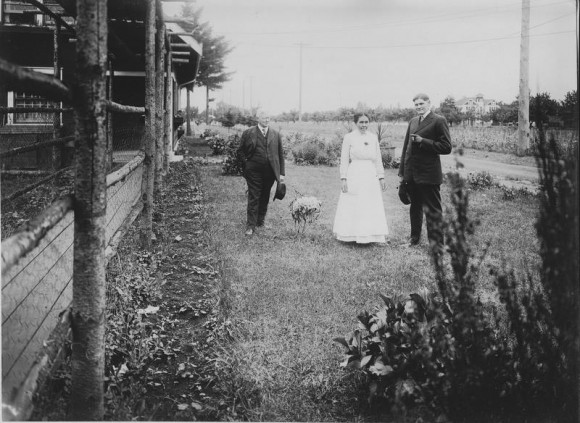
508 170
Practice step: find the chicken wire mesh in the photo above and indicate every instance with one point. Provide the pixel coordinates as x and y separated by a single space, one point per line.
37 289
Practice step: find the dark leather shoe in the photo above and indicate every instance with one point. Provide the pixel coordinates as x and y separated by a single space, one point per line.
249 232
409 244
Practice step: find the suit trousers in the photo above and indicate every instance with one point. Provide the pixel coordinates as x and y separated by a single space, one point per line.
260 177
425 199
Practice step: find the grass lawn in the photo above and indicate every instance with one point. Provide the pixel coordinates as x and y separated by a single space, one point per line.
289 295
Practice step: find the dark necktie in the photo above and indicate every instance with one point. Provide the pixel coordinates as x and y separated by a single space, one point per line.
420 119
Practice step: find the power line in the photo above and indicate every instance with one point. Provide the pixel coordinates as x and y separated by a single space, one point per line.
440 18
506 37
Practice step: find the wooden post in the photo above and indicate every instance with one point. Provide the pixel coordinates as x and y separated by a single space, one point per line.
110 119
56 73
168 136
56 116
90 206
160 94
146 233
524 97
188 112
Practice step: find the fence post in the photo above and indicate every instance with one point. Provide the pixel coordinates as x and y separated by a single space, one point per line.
110 118
159 127
146 234
88 307
168 136
56 73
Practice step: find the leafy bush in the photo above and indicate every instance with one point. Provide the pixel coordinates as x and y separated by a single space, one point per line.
389 161
447 351
217 144
209 133
511 193
480 180
315 150
234 163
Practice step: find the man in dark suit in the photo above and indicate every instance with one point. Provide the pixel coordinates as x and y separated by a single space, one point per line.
427 137
262 149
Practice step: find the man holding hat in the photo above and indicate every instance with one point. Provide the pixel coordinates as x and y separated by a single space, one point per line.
261 147
420 171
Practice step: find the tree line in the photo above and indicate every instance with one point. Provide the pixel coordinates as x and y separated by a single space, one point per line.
554 113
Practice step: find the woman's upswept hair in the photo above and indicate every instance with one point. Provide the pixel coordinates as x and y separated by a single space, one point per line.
357 116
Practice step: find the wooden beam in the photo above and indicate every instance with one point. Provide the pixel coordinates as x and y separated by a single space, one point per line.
49 12
176 60
179 45
113 178
36 184
120 108
36 146
34 109
24 241
181 53
34 82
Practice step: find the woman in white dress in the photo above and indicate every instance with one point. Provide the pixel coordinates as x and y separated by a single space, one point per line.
360 215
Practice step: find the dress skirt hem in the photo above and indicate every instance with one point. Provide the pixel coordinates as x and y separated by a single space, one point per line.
360 214
381 239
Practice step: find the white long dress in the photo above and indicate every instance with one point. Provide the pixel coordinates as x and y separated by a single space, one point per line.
360 215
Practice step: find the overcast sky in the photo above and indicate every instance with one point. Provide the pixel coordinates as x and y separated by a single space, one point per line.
382 52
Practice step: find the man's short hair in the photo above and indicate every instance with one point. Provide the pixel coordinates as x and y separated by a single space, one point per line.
421 96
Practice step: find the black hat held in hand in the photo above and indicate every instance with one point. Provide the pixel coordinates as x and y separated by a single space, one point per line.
280 191
403 194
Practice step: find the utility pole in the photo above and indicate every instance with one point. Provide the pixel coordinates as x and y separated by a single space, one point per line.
251 92
300 86
524 97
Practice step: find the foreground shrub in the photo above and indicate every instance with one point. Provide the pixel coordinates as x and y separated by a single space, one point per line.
450 353
543 314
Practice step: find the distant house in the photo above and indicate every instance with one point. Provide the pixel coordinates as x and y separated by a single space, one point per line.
477 105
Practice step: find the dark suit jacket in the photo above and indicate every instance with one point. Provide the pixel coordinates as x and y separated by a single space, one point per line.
423 165
273 146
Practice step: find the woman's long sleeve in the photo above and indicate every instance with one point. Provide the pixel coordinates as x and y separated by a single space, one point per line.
379 161
344 156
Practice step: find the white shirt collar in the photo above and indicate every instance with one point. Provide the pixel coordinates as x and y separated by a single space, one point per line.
263 128
425 115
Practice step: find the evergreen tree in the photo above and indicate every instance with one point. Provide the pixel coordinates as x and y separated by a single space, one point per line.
212 73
